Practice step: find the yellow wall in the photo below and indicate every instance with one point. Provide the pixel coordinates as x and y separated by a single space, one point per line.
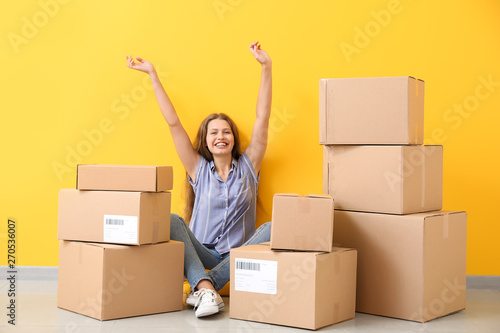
64 79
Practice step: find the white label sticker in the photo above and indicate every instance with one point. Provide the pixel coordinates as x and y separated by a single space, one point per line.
120 229
256 276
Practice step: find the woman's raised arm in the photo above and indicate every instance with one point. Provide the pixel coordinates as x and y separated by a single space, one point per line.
188 156
258 143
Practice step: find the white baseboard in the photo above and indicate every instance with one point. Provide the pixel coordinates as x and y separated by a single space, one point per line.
43 273
483 282
33 273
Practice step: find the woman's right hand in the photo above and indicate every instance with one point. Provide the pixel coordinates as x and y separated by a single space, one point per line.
141 65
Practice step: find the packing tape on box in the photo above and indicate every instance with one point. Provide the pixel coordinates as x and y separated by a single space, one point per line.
155 204
156 230
326 170
334 166
304 211
80 254
417 83
304 205
324 111
337 263
416 133
422 203
336 310
446 225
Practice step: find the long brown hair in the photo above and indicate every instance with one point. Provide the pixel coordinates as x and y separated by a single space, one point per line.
200 146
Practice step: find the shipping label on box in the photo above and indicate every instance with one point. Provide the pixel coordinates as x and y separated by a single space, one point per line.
384 179
410 266
120 229
302 223
377 110
299 289
257 276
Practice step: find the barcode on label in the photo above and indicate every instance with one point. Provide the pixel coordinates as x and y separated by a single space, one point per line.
114 222
249 266
120 229
256 276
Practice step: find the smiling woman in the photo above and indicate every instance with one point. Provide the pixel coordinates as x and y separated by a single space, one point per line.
222 192
220 137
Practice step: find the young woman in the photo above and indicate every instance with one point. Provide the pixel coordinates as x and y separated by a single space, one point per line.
221 201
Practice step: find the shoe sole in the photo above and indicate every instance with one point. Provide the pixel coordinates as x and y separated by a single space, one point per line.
210 311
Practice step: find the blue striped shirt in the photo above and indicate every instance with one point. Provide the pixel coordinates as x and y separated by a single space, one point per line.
224 212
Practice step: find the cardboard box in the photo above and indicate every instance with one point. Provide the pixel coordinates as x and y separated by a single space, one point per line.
299 289
141 178
302 223
132 218
410 266
376 110
106 281
384 179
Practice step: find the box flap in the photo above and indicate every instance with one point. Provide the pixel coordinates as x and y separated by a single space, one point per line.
105 245
321 196
310 195
437 213
286 195
414 78
131 166
334 250
253 247
343 249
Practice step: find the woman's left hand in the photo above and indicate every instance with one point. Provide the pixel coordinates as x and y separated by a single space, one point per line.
259 54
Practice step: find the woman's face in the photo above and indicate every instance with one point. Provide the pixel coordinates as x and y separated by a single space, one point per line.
220 139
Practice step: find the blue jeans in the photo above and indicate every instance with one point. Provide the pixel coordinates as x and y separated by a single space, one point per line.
198 258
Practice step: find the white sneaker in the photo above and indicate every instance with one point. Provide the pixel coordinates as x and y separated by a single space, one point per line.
209 303
193 297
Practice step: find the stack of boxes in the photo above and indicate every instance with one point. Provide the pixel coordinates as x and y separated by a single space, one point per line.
387 188
116 258
401 256
299 278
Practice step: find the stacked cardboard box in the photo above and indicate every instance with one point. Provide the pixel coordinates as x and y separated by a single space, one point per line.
116 258
299 279
387 188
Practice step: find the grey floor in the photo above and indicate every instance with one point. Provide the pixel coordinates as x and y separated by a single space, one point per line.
37 312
